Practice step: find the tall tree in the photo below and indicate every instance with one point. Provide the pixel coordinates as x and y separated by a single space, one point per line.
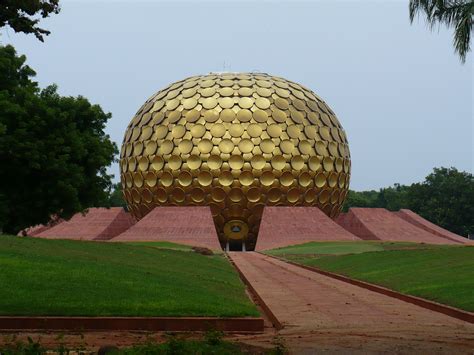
24 15
453 13
53 149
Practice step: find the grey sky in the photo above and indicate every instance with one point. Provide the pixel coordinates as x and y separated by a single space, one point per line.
402 95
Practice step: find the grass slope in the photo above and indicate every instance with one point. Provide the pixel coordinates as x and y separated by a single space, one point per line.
65 277
441 273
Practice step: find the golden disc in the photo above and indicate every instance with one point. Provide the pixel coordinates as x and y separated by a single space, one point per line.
236 130
204 178
166 147
143 163
287 146
320 180
246 178
282 104
293 195
178 195
214 162
226 178
226 146
324 196
297 162
185 146
278 162
161 195
245 102
205 146
254 194
226 102
264 92
209 103
328 164
192 116
279 115
138 179
236 162
218 130
198 130
267 146
218 194
257 162
260 116
157 163
293 131
150 179
287 179
150 147
332 179
207 92
166 179
198 194
174 116
226 91
189 104
178 131
267 178
254 130
211 116
305 179
274 130
314 163
185 178
305 147
274 195
194 162
227 115
235 194
246 145
174 162
244 115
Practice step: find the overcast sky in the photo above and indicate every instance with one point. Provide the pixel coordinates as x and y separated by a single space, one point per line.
402 95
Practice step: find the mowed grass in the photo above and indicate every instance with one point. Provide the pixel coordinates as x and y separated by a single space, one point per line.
442 273
76 278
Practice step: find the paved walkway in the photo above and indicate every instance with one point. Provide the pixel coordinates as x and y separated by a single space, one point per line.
308 303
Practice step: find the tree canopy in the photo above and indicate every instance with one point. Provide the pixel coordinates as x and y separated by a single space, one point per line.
53 149
24 15
453 13
446 198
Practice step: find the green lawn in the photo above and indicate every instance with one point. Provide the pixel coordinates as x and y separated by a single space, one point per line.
65 277
441 273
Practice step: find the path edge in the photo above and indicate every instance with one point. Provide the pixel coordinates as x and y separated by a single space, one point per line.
172 324
271 316
422 302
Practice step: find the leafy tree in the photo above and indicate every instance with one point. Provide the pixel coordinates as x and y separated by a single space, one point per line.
24 15
53 149
116 197
453 13
446 198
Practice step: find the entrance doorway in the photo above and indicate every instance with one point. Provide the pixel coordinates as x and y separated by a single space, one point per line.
235 245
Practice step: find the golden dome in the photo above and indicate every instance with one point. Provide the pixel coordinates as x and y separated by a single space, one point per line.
235 142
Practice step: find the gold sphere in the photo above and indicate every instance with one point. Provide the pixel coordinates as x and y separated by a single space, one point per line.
235 142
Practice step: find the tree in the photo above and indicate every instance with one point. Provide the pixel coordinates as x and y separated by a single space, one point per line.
116 197
453 13
22 15
53 149
446 198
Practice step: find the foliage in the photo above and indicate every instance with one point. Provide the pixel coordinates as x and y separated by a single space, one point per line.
453 13
443 273
446 198
24 15
53 149
116 196
115 279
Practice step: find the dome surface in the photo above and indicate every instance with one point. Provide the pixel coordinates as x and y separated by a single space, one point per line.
235 142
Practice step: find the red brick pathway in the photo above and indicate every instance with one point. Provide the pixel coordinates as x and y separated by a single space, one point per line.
306 301
282 226
184 225
381 224
96 224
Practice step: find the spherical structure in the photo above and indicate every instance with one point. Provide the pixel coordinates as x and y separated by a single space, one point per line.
235 142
